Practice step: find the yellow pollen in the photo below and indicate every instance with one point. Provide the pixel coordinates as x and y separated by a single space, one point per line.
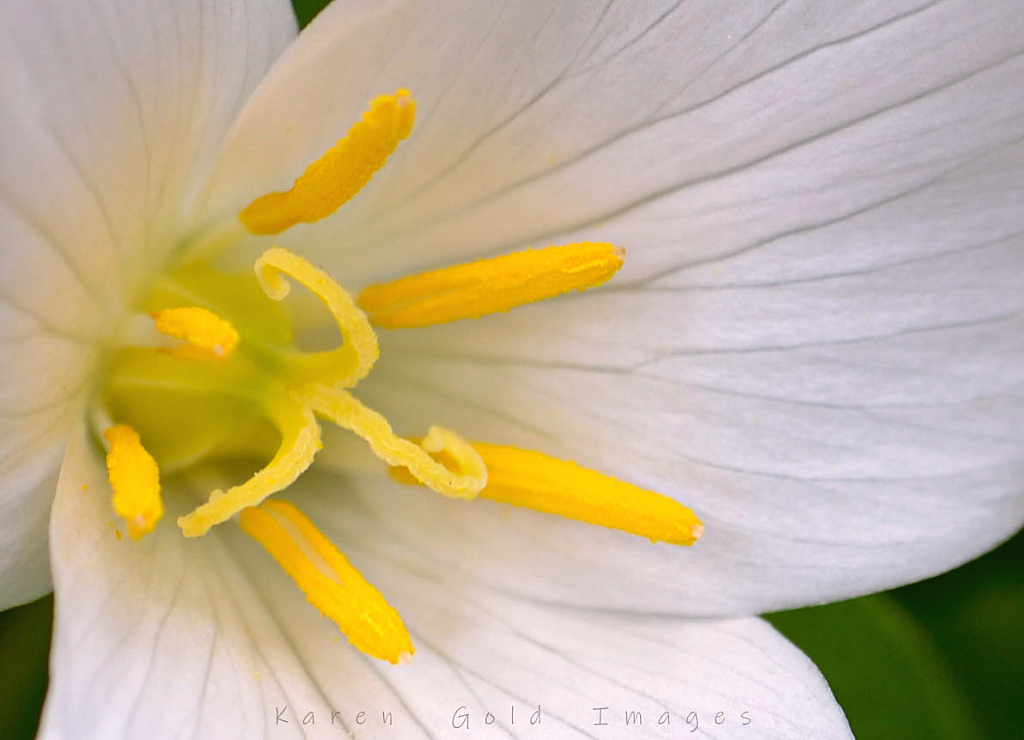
135 479
201 328
466 481
340 173
329 581
300 441
487 286
553 486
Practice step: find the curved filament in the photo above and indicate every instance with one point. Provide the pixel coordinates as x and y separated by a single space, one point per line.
349 363
344 410
300 441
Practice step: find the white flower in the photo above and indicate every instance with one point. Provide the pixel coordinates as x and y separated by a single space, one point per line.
815 342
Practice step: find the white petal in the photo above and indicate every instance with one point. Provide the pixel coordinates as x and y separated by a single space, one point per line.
486 651
170 638
710 127
825 470
506 84
24 555
158 638
822 470
43 378
817 339
111 113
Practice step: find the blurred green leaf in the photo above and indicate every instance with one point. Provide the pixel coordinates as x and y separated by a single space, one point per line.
24 651
883 669
305 10
975 615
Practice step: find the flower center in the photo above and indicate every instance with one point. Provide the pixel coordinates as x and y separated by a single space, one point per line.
229 377
269 379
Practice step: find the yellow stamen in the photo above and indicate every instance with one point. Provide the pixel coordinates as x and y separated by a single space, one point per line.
135 479
487 286
340 173
340 407
329 581
200 327
547 484
346 365
300 441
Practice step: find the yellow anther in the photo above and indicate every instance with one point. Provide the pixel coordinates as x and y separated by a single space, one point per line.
135 479
466 481
300 441
340 173
487 286
201 328
346 365
547 484
329 581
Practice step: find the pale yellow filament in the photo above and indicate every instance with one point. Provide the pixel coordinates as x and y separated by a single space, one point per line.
349 363
300 441
343 409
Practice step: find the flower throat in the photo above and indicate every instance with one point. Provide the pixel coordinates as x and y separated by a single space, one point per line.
228 367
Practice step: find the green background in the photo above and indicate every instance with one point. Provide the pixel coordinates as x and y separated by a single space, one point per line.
942 659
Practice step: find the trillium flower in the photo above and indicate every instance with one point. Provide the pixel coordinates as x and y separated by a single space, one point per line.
814 343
